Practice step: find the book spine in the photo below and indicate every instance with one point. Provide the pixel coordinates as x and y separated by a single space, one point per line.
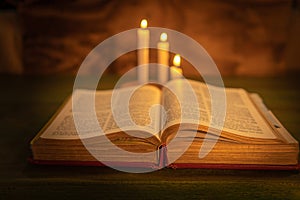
163 158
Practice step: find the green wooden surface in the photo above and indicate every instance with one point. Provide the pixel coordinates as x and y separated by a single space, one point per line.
27 103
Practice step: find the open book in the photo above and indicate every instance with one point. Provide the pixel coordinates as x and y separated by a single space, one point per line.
177 133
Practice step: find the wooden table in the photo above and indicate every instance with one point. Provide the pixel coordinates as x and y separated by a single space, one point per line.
27 103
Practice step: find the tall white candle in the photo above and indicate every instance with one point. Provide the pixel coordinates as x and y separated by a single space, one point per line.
176 70
163 58
143 52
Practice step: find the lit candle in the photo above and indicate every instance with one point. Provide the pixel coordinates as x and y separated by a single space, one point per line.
163 58
143 52
176 70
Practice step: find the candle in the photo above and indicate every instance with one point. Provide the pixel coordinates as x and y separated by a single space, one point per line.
176 70
143 52
163 58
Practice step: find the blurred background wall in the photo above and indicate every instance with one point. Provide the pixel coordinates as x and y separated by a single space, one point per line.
244 37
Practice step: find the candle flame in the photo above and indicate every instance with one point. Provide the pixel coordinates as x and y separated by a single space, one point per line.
176 60
144 23
163 37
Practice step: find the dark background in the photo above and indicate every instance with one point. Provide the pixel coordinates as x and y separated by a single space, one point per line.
244 37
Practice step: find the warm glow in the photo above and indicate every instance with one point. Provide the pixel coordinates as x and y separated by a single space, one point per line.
144 23
176 60
163 37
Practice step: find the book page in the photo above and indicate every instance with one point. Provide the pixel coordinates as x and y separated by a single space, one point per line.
242 117
143 117
142 112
